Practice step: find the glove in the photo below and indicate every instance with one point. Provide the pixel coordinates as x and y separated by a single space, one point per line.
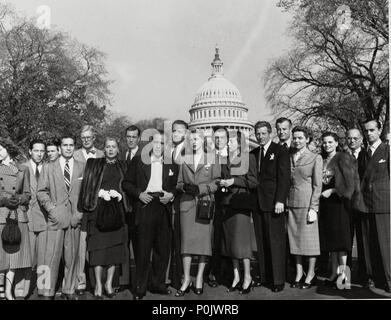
312 216
191 189
104 194
115 194
12 203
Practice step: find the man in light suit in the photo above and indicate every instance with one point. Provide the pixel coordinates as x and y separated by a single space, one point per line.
375 188
152 185
87 151
58 192
273 165
38 229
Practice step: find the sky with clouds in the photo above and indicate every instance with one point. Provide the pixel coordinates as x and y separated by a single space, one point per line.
159 51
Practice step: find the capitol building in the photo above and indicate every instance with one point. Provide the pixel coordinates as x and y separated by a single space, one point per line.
219 103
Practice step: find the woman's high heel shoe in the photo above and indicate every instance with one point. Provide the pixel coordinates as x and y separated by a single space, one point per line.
108 294
181 293
199 291
248 289
296 284
307 285
234 288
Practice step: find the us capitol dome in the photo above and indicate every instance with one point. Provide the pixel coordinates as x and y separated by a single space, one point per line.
219 103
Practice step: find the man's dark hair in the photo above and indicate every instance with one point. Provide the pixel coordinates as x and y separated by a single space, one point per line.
261 124
217 128
305 130
53 142
36 141
180 122
133 128
282 119
68 136
378 123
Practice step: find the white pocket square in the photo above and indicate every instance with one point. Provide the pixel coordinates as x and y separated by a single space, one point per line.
170 173
382 160
81 178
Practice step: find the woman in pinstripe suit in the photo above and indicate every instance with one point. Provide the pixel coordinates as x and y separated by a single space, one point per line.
14 199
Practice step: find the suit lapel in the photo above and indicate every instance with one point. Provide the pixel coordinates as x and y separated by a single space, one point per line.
370 165
75 174
60 176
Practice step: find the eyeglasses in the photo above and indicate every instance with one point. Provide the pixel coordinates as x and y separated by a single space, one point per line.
86 138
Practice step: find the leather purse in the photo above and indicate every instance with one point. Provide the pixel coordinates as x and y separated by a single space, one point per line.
205 207
11 235
108 216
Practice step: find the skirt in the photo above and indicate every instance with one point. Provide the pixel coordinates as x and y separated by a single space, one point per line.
196 236
21 258
108 256
237 240
303 236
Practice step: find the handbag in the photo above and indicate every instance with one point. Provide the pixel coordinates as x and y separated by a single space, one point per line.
11 235
243 201
109 216
205 208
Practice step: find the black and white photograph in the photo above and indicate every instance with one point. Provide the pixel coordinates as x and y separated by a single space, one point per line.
188 152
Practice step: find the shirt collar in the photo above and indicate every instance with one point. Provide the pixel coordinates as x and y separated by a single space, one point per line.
34 165
375 146
267 145
156 159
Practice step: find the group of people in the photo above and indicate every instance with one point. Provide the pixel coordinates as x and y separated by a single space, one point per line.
84 214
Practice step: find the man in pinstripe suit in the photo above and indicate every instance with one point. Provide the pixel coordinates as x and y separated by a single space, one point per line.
58 192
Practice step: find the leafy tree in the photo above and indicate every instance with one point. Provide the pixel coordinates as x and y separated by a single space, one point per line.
337 74
49 83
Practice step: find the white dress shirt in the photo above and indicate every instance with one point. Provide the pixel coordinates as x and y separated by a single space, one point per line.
155 183
62 164
374 146
34 166
132 153
356 152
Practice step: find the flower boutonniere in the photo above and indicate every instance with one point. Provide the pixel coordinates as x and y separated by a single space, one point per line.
272 156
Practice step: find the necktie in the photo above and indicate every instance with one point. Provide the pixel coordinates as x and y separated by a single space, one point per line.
369 153
36 173
262 157
67 175
285 145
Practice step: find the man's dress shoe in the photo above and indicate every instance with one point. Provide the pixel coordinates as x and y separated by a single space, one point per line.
278 287
161 291
369 284
212 283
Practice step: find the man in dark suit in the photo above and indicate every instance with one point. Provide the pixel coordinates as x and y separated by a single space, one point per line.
355 141
133 138
273 166
152 185
175 271
375 188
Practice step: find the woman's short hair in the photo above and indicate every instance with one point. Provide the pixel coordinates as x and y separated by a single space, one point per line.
12 149
112 139
303 129
334 136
